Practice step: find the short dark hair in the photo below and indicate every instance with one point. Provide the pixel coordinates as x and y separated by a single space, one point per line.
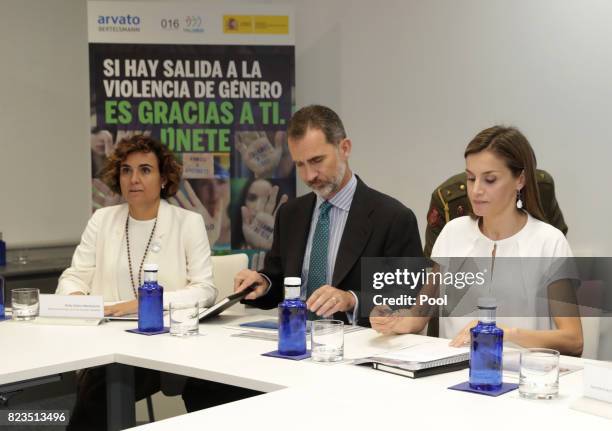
514 149
317 117
169 168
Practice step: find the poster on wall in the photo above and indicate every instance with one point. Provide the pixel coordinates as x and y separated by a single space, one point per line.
215 83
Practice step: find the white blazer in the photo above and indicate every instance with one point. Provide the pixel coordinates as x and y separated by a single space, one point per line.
181 251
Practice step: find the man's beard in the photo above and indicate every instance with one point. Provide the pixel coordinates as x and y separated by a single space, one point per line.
331 186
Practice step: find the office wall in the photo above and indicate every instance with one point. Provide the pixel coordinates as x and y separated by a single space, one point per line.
416 80
413 80
44 117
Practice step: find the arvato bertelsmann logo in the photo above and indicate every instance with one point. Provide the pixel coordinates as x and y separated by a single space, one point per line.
119 23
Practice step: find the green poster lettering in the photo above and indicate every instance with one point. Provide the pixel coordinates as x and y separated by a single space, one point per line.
227 113
265 112
197 140
160 112
183 140
224 135
117 112
110 112
190 113
246 114
213 114
145 112
211 136
176 116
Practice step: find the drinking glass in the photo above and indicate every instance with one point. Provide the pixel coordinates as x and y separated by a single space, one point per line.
25 303
539 374
184 318
327 337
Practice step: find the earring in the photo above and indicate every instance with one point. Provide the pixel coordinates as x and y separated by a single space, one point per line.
519 199
163 186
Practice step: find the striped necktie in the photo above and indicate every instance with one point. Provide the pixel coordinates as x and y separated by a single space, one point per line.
317 269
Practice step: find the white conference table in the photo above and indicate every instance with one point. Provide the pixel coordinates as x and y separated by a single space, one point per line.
302 394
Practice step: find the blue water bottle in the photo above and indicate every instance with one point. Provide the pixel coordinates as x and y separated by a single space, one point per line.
150 301
2 315
292 320
2 251
487 344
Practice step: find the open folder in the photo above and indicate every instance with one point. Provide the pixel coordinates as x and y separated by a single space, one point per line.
225 303
421 359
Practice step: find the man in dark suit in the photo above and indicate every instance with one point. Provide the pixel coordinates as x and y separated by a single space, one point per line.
322 236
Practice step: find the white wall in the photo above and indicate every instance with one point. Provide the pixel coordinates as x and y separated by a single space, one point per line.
414 80
44 121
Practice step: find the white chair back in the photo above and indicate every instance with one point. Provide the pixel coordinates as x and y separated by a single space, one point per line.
590 335
224 270
591 292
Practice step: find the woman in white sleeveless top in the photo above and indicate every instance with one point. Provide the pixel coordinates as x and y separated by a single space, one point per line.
507 221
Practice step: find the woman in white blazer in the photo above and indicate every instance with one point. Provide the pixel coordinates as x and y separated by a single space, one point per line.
120 239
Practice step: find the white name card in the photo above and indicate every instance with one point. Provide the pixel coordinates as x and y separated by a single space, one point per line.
598 381
73 306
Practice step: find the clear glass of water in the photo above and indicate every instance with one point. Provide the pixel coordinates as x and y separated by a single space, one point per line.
184 318
539 374
25 303
327 337
21 256
2 316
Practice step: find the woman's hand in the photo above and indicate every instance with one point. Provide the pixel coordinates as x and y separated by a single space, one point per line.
462 339
122 308
464 336
386 321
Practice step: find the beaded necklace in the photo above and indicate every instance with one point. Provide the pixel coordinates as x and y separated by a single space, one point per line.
144 256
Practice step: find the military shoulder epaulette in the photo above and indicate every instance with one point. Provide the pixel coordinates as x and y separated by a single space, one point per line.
453 188
543 177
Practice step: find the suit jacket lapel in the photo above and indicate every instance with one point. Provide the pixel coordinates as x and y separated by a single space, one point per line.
355 236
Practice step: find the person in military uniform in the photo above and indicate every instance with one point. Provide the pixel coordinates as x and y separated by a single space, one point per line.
450 200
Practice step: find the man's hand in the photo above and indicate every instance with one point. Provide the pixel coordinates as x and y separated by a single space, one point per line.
122 308
327 300
245 278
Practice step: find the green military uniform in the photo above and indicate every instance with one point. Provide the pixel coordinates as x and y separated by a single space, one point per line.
450 200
